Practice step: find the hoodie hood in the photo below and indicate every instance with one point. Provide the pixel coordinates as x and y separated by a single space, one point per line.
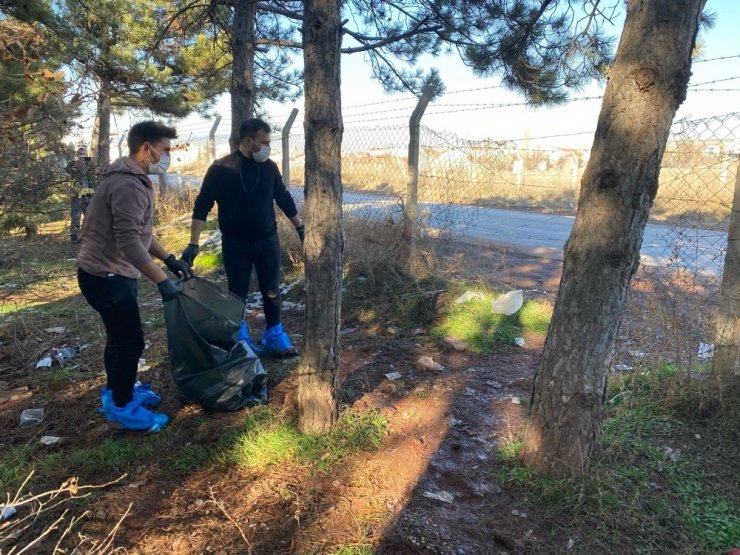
127 166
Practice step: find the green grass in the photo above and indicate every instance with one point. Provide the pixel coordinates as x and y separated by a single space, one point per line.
191 457
14 467
268 440
207 262
635 493
475 323
113 456
354 549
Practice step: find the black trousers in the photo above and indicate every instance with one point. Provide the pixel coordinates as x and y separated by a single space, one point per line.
264 256
115 298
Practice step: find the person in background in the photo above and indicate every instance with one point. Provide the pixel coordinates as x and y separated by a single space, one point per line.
117 248
82 171
245 185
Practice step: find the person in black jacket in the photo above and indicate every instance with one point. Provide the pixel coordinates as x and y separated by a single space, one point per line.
246 185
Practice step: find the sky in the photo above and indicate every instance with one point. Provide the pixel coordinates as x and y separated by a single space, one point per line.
365 104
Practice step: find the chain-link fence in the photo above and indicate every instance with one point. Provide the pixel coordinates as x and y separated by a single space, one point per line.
464 183
696 191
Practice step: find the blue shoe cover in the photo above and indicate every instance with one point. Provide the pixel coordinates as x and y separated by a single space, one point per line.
146 397
143 394
243 335
134 417
277 343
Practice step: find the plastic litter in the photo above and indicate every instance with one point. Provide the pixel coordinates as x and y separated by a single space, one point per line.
519 341
393 375
428 363
468 296
706 350
56 331
143 366
516 400
64 353
44 362
440 495
31 417
8 512
50 440
509 303
415 332
209 366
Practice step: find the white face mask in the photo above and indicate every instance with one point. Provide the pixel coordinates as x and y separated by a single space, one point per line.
262 155
160 167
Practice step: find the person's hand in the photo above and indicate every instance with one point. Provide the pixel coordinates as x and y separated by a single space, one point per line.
168 290
178 267
190 252
301 231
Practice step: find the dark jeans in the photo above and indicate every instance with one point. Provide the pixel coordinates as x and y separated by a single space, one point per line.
114 297
264 256
78 207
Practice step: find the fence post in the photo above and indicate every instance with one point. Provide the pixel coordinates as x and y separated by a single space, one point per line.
212 140
411 213
286 146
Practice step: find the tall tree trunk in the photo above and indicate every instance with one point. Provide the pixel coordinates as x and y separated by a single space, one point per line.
100 147
317 374
646 85
727 338
242 68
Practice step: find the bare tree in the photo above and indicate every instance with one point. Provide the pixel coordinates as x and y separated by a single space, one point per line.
324 246
646 85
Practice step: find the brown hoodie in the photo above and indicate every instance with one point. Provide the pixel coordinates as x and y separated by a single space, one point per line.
117 232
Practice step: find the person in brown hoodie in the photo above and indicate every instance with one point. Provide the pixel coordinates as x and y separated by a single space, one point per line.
117 248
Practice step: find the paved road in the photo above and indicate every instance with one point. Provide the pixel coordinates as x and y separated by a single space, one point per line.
542 234
546 234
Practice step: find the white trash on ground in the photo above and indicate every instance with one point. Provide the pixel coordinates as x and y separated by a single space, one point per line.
50 440
440 495
31 417
509 303
468 296
705 351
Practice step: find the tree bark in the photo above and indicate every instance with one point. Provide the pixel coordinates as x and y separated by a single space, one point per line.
100 147
646 85
317 373
727 336
242 69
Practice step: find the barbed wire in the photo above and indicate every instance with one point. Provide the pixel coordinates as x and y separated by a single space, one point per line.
718 58
714 81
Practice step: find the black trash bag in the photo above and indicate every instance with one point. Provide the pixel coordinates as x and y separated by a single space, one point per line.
209 365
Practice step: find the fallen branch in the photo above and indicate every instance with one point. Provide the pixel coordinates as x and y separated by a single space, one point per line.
221 506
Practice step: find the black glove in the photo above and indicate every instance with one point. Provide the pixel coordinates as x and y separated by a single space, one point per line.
301 231
168 290
178 267
190 252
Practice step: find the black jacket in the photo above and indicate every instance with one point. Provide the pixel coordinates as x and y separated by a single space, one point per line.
244 191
